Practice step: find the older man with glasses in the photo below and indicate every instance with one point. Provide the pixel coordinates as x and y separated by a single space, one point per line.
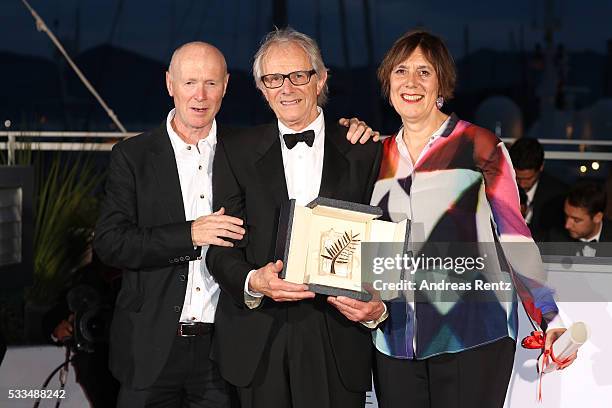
281 345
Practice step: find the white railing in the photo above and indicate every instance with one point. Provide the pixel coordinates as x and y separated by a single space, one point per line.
550 154
108 139
106 143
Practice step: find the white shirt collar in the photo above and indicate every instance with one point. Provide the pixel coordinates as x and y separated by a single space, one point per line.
403 149
530 196
303 165
179 144
594 237
532 191
318 125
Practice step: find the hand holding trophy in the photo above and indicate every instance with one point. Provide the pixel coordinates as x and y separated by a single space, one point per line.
265 280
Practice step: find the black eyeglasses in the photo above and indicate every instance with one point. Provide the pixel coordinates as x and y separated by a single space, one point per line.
297 78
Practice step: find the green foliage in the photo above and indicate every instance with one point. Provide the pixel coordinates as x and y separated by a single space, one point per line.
66 211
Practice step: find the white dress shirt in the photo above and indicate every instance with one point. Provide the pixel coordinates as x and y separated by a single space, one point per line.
530 196
194 163
303 170
587 250
303 173
303 164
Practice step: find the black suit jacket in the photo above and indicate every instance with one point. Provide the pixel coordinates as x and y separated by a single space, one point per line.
547 207
570 246
606 231
142 230
249 181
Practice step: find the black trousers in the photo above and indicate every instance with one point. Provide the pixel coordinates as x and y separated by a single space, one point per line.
475 378
189 379
298 369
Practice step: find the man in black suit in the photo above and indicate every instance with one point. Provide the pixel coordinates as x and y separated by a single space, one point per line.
156 224
281 345
544 192
585 223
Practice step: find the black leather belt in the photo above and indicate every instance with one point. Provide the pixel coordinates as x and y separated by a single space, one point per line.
194 329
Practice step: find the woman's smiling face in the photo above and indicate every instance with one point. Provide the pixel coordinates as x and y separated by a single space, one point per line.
414 88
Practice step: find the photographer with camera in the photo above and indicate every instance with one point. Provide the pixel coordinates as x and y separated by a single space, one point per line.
80 322
63 331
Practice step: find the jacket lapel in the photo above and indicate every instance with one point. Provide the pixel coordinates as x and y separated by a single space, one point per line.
164 165
605 232
335 163
270 164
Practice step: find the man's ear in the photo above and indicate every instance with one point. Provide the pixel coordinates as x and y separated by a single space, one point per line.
321 82
226 82
598 217
169 83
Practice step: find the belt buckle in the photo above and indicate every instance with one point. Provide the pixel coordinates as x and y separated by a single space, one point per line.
180 330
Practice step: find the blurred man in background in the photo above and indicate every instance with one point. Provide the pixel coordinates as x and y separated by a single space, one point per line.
584 220
545 193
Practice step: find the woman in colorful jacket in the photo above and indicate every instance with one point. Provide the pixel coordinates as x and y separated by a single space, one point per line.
455 183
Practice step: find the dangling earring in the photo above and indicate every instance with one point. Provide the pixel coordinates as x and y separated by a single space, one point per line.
440 102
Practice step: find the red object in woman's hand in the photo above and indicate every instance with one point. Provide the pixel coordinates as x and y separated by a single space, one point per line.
537 340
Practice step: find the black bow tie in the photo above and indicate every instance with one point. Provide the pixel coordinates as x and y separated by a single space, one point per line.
291 139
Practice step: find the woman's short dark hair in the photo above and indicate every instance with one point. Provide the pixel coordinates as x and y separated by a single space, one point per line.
436 53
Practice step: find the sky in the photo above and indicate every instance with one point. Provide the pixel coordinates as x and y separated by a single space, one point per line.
155 27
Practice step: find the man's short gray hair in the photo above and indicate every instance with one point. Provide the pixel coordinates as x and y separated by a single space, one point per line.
285 36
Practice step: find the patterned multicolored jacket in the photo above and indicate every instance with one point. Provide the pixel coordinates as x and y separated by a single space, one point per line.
462 189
